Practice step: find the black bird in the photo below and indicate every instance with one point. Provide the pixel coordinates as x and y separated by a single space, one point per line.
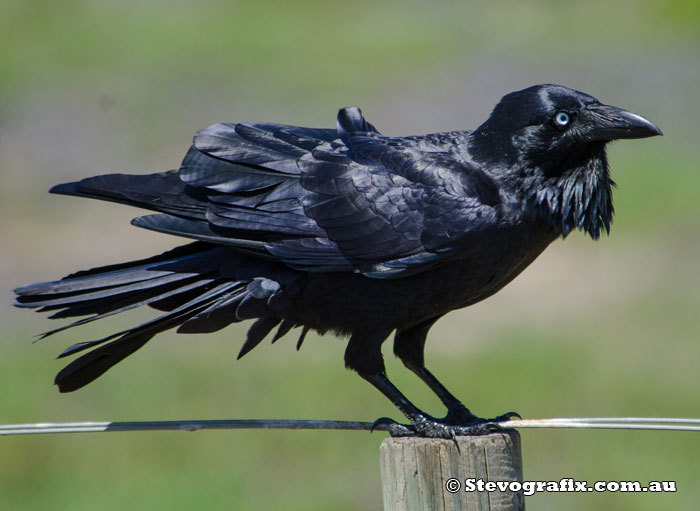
349 231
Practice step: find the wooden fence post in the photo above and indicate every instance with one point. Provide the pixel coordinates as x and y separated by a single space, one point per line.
416 471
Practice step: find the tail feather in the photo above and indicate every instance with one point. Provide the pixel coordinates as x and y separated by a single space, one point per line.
87 368
182 260
90 366
152 296
200 287
82 371
218 315
161 323
132 305
67 299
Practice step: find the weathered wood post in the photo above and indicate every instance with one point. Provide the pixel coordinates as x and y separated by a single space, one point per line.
430 474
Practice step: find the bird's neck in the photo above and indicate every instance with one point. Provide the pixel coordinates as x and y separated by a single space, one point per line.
579 197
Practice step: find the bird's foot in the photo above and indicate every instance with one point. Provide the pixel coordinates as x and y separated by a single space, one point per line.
449 427
460 415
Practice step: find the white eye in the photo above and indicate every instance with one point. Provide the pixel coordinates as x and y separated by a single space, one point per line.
561 119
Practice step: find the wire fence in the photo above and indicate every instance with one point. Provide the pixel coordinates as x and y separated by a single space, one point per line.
639 423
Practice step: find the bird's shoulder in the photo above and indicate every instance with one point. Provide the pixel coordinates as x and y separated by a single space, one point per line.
427 168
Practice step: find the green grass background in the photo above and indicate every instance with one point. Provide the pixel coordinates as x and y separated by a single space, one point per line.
591 329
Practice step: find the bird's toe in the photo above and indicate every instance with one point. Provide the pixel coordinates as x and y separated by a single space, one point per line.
394 428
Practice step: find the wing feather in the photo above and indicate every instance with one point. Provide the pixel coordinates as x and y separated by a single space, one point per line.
344 199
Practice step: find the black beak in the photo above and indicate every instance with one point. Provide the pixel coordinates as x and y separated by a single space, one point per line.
605 123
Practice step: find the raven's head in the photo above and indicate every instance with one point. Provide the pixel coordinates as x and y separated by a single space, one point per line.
547 145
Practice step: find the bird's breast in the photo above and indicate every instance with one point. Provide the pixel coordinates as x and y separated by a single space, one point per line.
351 302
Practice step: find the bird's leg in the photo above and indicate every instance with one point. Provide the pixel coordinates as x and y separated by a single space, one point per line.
417 417
409 345
423 424
364 355
457 413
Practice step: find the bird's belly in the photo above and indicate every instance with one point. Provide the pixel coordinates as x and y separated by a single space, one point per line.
350 302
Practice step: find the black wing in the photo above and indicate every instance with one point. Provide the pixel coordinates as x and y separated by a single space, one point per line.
347 199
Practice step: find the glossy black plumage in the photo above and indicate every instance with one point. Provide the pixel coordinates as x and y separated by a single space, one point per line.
348 230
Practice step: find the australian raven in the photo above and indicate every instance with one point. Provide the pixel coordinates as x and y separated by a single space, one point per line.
350 231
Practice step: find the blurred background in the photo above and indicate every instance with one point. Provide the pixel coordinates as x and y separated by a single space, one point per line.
590 329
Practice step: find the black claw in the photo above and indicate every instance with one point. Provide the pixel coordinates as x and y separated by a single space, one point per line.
506 417
394 428
454 441
381 421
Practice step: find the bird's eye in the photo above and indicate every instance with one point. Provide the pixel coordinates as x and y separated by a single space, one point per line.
562 119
